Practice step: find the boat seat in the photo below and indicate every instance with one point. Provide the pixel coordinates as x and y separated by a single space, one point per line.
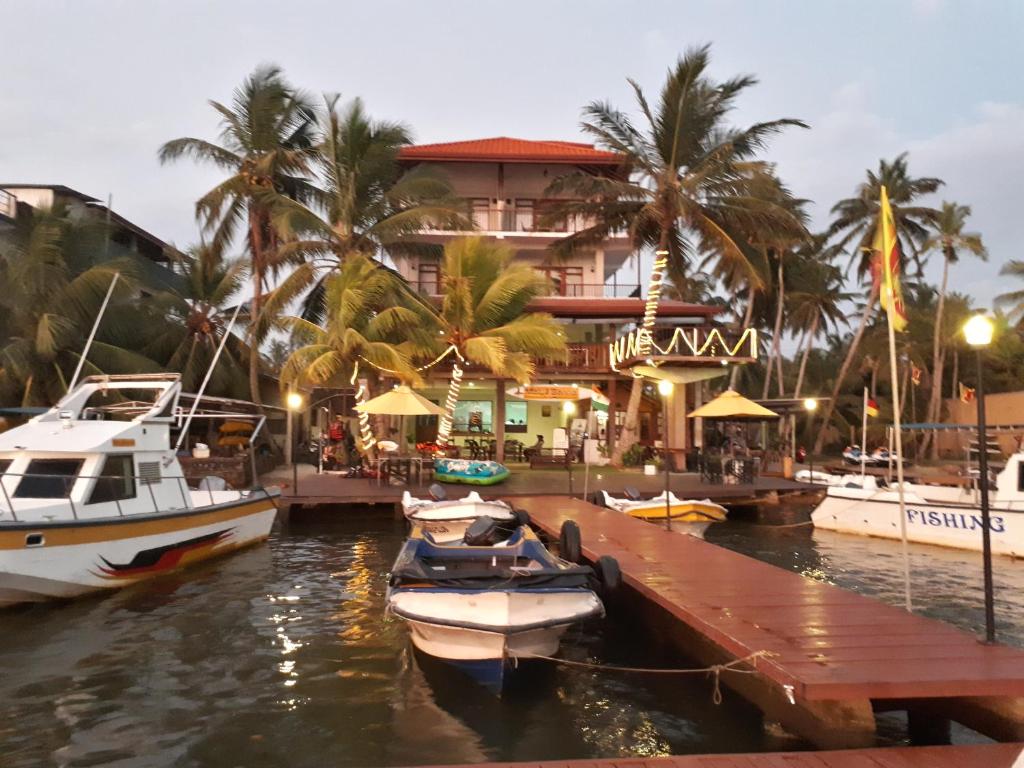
631 493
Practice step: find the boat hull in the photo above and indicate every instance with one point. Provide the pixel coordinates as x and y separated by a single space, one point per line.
40 562
947 525
686 512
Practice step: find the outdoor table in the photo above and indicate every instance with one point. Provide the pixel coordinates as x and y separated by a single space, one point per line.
402 466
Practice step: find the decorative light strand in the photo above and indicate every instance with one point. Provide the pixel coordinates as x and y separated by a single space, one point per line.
452 348
713 344
653 299
366 438
444 429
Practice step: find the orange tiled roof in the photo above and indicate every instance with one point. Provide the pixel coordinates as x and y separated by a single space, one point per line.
509 150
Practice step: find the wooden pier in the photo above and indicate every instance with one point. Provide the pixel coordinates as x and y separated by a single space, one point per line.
836 657
975 756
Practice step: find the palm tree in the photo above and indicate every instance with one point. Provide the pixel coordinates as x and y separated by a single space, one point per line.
814 305
483 316
855 224
60 288
368 203
694 183
950 239
264 145
190 322
1013 300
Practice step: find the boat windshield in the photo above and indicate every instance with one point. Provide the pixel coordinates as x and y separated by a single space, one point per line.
4 465
120 404
48 479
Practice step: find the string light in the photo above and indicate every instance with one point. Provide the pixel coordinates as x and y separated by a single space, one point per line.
444 429
452 348
366 437
653 298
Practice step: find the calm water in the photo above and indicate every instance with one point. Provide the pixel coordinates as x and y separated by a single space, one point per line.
281 655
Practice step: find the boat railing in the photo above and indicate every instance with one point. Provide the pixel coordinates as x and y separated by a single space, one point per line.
68 482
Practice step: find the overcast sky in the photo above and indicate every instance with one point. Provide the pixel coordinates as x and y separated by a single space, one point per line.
90 90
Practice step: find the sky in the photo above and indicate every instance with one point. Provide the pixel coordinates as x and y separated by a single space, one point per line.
90 90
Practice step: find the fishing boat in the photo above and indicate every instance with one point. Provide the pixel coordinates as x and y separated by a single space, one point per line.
446 520
948 516
93 498
695 511
490 601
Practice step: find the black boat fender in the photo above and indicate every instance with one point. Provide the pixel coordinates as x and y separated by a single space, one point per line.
609 575
570 546
521 516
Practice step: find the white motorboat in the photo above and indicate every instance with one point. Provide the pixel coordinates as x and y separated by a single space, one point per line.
92 496
948 516
446 520
482 607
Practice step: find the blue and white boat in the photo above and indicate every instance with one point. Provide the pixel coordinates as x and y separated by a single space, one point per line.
484 605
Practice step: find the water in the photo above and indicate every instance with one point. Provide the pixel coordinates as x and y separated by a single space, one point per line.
281 655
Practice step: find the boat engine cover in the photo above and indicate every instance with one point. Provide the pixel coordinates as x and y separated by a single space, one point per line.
483 532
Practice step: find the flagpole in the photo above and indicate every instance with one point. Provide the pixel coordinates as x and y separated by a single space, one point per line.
898 437
864 439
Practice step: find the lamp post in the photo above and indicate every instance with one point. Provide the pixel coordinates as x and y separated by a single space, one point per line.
665 390
294 402
810 405
569 409
978 332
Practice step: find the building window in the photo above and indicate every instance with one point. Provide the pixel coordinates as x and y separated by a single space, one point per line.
48 479
515 417
116 482
429 280
473 416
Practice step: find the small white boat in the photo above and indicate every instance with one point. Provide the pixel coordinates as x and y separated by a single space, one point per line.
482 607
446 520
945 515
695 515
92 496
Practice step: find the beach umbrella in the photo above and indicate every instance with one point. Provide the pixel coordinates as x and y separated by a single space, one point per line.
732 406
400 401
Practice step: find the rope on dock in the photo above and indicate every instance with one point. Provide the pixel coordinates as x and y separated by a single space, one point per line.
715 670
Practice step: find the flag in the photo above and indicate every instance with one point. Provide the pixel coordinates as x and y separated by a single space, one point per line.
915 375
871 407
966 394
887 254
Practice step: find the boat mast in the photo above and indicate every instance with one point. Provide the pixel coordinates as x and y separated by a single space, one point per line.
92 334
206 379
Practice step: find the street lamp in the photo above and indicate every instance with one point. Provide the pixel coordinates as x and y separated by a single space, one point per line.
978 332
810 405
294 402
665 388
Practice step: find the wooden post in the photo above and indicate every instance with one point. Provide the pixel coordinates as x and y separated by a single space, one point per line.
499 420
612 394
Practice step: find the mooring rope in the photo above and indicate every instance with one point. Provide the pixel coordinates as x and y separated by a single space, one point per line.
715 670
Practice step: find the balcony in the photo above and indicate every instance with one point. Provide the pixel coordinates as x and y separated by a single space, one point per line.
8 204
521 217
572 290
582 358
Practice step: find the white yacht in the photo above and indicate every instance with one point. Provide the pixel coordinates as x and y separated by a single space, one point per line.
92 496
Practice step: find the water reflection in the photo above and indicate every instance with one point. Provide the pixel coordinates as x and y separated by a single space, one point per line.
282 655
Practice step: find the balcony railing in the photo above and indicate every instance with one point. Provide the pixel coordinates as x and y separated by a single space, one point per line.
8 204
575 290
581 358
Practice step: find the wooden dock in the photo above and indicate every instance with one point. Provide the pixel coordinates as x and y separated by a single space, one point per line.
836 657
975 756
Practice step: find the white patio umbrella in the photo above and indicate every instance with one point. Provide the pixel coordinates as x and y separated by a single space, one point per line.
400 401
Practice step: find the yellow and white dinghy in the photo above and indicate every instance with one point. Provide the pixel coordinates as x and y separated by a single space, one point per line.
681 510
92 496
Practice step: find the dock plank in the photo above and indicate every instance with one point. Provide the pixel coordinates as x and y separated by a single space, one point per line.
827 642
968 756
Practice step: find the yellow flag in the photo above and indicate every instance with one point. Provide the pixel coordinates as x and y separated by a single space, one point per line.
887 248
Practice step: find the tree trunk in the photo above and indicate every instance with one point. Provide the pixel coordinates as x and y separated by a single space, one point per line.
776 355
830 407
954 390
256 245
935 399
628 435
809 341
751 292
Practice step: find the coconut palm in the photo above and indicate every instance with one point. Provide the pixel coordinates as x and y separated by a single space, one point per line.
693 184
856 219
368 202
190 322
816 294
483 315
60 289
951 240
266 133
1013 301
